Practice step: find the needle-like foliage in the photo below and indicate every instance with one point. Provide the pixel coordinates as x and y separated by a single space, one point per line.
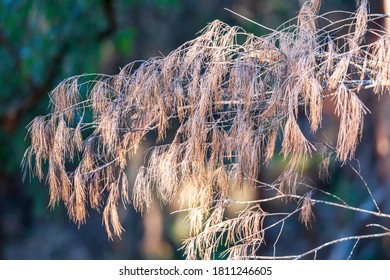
231 94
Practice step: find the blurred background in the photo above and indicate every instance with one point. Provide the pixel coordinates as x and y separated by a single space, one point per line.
43 42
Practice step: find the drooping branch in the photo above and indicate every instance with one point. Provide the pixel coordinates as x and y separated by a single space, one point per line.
231 94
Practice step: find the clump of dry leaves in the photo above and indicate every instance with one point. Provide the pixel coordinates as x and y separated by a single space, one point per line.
231 102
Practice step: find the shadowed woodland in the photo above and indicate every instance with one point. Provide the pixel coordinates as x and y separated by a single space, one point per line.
227 143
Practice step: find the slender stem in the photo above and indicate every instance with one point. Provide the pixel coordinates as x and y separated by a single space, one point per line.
356 237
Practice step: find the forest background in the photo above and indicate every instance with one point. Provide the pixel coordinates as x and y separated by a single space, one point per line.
43 42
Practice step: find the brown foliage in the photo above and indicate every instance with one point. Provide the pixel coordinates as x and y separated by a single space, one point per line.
232 101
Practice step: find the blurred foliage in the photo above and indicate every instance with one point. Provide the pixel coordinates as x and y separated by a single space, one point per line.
41 43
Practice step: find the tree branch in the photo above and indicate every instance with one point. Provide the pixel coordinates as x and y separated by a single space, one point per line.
109 13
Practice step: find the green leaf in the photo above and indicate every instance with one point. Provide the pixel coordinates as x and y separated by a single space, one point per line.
124 41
